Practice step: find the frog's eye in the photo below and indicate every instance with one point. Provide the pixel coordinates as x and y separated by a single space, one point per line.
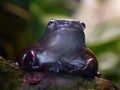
83 25
51 24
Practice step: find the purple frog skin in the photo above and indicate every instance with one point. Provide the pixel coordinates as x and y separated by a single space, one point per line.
62 49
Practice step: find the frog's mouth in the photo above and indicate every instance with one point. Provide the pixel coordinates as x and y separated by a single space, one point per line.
66 28
69 26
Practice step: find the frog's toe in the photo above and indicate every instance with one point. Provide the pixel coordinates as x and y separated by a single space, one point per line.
89 64
28 60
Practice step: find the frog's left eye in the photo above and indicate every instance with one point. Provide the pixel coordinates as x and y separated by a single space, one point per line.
51 24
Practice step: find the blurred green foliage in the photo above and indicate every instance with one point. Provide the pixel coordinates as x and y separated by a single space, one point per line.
107 50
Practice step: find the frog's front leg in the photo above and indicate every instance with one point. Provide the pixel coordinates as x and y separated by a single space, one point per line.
91 65
85 65
28 60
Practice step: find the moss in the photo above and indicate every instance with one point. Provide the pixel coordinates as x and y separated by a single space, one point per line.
9 75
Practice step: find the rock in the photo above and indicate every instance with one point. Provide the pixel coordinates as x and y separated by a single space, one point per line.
12 78
50 81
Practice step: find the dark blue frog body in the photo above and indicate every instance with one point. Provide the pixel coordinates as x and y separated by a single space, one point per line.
62 49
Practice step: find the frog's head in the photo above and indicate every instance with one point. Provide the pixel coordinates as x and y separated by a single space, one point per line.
64 35
63 24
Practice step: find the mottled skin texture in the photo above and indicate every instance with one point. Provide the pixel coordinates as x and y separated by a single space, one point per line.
62 49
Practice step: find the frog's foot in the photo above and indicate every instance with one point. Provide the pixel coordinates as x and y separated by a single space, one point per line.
55 67
59 67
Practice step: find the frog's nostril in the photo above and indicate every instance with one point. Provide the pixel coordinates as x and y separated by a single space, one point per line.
66 23
63 23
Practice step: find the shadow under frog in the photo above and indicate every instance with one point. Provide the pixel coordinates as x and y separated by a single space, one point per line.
62 49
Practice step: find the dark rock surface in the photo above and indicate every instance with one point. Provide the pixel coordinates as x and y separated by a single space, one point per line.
12 78
65 82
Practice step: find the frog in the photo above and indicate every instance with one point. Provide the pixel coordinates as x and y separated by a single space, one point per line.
61 49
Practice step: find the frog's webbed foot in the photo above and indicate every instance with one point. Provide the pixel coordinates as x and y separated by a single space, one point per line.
55 67
59 67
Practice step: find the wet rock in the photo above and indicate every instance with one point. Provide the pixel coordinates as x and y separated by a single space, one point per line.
50 81
12 78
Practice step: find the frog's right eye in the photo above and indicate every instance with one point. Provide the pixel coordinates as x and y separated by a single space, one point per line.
83 24
51 24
